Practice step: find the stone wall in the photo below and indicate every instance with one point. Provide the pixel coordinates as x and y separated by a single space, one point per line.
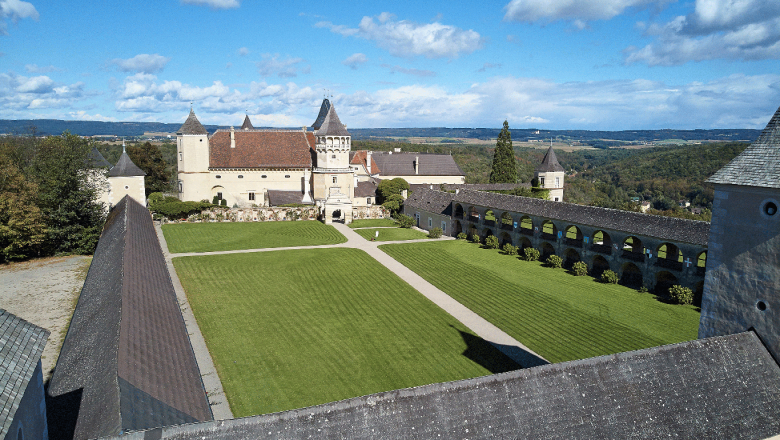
263 214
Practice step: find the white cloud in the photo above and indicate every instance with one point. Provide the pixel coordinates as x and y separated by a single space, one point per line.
243 51
287 68
214 4
717 29
145 63
577 11
34 68
37 84
487 66
405 38
408 71
15 10
20 94
355 60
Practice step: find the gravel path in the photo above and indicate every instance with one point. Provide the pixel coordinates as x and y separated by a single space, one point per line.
44 292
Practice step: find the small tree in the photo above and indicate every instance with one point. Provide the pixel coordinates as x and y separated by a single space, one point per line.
609 277
435 233
531 254
510 249
554 262
491 242
580 268
681 295
462 236
475 238
404 221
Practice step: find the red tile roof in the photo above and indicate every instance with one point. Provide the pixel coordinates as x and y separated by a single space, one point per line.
261 149
359 158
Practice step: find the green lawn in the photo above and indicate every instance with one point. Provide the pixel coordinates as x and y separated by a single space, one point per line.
392 234
372 223
228 236
290 329
558 315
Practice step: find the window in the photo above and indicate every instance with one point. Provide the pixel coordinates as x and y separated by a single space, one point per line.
251 196
368 201
287 176
218 176
219 196
443 226
201 140
335 179
333 156
541 182
263 176
240 176
127 187
181 187
430 222
180 156
556 199
557 182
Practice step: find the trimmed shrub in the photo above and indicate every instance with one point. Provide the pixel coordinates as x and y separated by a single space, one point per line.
681 295
643 289
510 249
435 233
475 238
404 221
554 261
491 242
580 268
462 236
215 201
609 277
531 254
223 202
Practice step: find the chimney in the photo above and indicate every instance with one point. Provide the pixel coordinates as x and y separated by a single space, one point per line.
232 138
368 162
417 165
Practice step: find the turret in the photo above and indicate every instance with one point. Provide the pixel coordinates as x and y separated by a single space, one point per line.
192 145
125 178
333 179
549 174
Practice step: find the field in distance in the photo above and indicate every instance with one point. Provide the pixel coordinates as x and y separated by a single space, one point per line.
559 316
295 328
229 236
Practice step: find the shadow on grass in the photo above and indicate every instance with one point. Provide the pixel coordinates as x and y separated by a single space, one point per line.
498 358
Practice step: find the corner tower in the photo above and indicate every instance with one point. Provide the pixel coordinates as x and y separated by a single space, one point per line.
126 179
332 178
192 153
550 174
742 284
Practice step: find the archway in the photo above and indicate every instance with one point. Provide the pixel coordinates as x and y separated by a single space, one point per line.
219 192
663 281
490 218
549 231
524 243
633 250
631 276
669 256
507 222
458 228
336 214
599 265
547 250
570 257
698 293
505 238
458 210
487 232
573 236
701 263
526 226
473 214
602 243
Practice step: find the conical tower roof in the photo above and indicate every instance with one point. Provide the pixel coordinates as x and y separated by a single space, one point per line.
321 116
549 163
332 126
759 164
247 125
125 168
96 160
192 125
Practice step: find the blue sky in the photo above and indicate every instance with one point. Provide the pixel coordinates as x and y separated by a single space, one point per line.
553 64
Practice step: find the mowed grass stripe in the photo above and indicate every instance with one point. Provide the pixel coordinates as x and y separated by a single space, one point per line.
559 316
391 234
371 223
296 328
229 236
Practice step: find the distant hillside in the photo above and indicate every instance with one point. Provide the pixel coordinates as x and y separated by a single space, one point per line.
601 139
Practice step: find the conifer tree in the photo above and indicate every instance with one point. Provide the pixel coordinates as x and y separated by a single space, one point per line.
504 166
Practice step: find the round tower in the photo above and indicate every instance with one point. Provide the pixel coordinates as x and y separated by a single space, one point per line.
550 175
192 153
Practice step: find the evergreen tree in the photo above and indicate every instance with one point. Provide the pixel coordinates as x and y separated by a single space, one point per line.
504 166
149 158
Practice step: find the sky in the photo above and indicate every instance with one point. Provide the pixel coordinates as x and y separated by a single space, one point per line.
549 64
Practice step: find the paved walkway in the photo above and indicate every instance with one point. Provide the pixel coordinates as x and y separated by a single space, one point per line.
481 327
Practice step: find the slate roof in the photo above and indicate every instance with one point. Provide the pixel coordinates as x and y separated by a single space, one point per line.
721 387
759 164
127 351
439 202
125 168
321 116
96 160
261 149
367 188
331 125
472 186
21 346
402 164
192 125
549 162
635 223
359 158
247 125
279 198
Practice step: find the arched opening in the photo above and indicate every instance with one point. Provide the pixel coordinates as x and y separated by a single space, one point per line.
669 256
573 236
506 221
549 231
698 292
599 265
473 214
547 250
631 276
663 281
524 243
526 226
458 228
570 257
505 238
602 243
487 232
336 214
490 218
701 263
633 250
458 210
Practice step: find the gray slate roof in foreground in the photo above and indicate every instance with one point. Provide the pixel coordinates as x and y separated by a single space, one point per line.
21 346
127 353
670 228
437 202
759 164
721 387
402 164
